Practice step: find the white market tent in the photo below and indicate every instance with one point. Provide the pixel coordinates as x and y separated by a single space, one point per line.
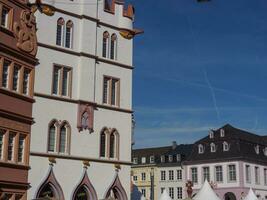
206 193
251 195
165 196
143 198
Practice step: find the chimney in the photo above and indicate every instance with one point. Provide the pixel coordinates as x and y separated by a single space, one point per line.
174 145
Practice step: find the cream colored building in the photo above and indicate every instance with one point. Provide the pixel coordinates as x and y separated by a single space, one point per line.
81 141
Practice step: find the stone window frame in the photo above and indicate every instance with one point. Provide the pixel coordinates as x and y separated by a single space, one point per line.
58 125
60 80
10 16
108 99
23 68
15 149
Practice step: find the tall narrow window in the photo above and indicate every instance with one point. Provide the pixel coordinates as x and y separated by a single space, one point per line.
105 44
257 175
11 140
179 193
61 81
21 148
111 91
114 85
105 90
52 138
69 30
56 80
5 73
206 173
179 175
112 146
103 144
2 132
171 192
232 172
65 80
62 139
248 174
170 175
60 31
218 174
113 47
194 175
163 175
5 17
16 77
26 78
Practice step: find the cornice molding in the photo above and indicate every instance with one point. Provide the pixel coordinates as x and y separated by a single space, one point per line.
98 59
79 158
75 101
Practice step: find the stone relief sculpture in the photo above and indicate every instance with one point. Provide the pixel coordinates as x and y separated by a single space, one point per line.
25 32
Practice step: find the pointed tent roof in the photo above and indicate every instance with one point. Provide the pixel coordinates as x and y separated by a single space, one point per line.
251 195
206 192
165 196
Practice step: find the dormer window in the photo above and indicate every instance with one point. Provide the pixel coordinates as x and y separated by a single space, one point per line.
170 158
162 159
200 149
178 157
226 146
212 147
143 160
265 151
152 159
257 149
222 133
211 134
135 161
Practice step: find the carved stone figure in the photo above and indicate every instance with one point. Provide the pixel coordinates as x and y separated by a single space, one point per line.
25 32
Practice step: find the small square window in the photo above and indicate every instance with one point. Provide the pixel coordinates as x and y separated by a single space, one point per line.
5 17
143 160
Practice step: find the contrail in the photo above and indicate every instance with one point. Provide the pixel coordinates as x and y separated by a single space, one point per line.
212 94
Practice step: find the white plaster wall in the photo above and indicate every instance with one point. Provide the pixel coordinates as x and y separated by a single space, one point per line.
101 176
224 184
125 76
169 183
253 184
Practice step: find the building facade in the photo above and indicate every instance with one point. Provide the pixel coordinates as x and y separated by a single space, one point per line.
81 146
18 47
232 160
165 164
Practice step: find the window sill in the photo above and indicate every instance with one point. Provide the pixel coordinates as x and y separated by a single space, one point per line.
14 165
7 31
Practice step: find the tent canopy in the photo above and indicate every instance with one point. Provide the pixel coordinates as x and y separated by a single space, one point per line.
206 193
251 195
165 196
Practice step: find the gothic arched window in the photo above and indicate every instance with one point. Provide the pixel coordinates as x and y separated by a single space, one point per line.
60 31
113 47
81 194
64 137
69 32
105 44
103 144
47 192
112 146
52 137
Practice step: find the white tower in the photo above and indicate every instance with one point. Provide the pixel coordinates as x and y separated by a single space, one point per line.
81 141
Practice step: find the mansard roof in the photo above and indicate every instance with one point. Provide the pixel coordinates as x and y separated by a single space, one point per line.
243 145
183 150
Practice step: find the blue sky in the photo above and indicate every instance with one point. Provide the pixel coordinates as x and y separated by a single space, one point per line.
197 67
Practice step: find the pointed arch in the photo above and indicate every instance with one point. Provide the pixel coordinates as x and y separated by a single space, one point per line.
113 47
103 142
84 189
105 44
50 187
114 144
64 136
52 135
85 118
69 34
60 31
116 189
